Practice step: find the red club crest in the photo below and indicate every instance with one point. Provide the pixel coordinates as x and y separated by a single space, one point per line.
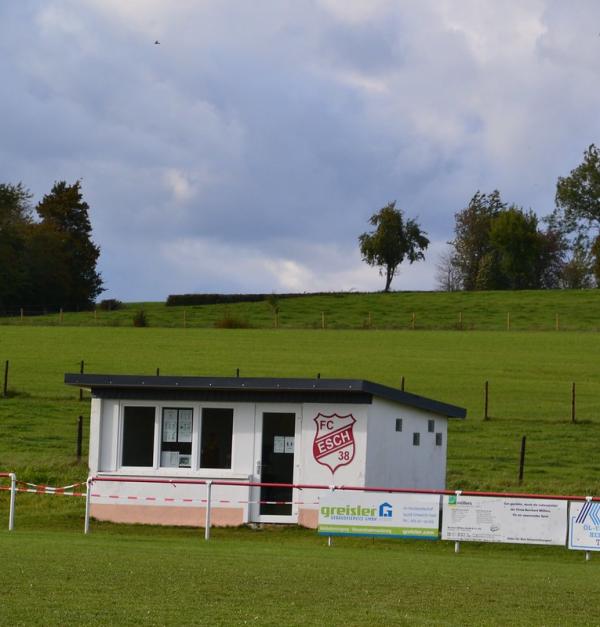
333 445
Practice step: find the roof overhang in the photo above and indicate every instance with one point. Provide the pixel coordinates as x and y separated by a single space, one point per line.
254 388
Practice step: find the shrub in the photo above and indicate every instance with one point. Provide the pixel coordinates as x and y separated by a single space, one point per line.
140 319
231 322
110 304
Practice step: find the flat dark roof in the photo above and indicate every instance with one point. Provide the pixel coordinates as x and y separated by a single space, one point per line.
254 388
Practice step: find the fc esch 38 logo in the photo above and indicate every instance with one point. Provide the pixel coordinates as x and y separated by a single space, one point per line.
333 445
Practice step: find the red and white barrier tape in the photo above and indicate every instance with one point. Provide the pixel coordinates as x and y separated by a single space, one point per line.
34 488
155 499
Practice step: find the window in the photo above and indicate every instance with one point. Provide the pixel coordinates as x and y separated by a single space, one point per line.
217 429
138 436
438 439
431 426
176 438
416 439
398 424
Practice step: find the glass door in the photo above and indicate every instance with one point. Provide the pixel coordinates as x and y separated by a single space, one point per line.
275 453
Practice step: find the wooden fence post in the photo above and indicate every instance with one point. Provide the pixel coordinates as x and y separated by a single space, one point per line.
508 321
5 387
557 323
522 459
322 320
460 321
573 402
402 383
485 402
79 438
22 314
81 369
413 321
60 316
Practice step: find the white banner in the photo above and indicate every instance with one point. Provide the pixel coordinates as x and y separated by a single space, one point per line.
519 521
584 526
380 514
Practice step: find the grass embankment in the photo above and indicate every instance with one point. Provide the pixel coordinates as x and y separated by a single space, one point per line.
491 311
129 576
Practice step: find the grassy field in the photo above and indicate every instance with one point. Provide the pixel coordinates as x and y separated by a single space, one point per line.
528 310
529 375
51 574
149 576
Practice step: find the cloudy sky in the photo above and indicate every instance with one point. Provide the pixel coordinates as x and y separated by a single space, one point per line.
247 150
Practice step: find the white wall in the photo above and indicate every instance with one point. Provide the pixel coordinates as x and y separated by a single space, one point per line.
392 461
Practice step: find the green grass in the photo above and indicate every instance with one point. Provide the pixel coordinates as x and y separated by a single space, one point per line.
284 577
529 310
51 574
530 377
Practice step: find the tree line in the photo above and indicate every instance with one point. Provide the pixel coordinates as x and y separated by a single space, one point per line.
501 246
47 257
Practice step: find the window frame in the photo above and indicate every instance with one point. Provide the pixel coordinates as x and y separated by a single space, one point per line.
156 469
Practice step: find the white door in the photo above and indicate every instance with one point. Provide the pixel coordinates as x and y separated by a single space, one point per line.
276 451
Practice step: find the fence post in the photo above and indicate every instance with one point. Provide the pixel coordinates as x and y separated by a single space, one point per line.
79 438
485 401
588 555
402 383
22 314
508 321
88 496
522 459
5 387
413 321
573 402
13 493
460 321
322 320
329 538
557 323
60 316
208 505
457 543
81 369
184 319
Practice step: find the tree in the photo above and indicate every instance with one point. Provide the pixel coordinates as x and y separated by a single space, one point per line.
15 218
577 210
472 248
516 245
65 212
578 195
393 240
447 274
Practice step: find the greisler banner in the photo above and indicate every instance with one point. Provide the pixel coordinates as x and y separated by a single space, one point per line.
380 514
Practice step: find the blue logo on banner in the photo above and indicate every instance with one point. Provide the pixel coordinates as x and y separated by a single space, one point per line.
385 510
591 509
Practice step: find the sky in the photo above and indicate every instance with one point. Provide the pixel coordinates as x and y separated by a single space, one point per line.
248 149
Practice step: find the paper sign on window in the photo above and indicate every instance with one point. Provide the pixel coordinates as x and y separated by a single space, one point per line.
289 444
278 444
169 425
185 425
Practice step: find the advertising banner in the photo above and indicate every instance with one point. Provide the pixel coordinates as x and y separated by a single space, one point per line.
584 526
380 514
518 521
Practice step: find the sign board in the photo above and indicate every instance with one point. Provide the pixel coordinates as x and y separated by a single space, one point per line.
169 425
289 444
278 444
380 514
584 526
518 521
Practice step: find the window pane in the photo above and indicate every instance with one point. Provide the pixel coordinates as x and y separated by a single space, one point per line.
398 424
176 438
431 426
217 429
438 439
416 439
138 436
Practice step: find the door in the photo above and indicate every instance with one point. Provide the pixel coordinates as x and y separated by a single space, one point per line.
276 451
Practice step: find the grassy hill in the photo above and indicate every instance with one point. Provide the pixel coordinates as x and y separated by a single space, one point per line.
491 311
